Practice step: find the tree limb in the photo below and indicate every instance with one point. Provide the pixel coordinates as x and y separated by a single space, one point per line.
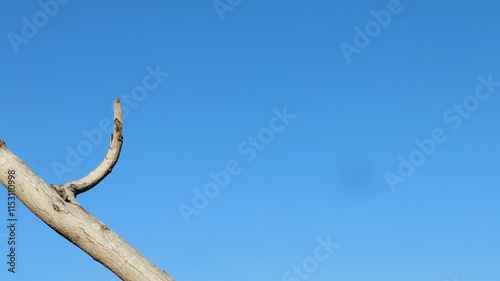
71 220
70 190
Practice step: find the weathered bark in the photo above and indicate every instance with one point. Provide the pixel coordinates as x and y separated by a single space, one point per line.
58 208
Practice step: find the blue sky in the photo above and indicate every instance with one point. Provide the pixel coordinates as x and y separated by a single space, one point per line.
412 104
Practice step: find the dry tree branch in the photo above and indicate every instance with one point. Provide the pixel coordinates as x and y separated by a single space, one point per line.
59 210
70 190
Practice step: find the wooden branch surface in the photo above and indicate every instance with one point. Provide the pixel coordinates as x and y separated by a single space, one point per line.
106 166
72 221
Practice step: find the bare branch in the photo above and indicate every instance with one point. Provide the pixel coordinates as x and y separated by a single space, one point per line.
71 189
71 220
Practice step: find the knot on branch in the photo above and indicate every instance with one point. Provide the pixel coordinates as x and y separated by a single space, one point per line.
67 193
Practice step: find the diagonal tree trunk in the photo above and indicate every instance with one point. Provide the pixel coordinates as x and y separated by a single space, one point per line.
58 208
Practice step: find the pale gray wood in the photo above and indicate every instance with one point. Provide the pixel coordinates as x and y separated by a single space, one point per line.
58 208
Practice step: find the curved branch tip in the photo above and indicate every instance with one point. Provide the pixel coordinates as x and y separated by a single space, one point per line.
93 178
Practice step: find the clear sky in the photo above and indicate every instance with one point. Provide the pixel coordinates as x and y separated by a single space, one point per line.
263 140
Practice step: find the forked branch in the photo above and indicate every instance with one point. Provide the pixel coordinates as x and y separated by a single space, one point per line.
70 190
72 221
